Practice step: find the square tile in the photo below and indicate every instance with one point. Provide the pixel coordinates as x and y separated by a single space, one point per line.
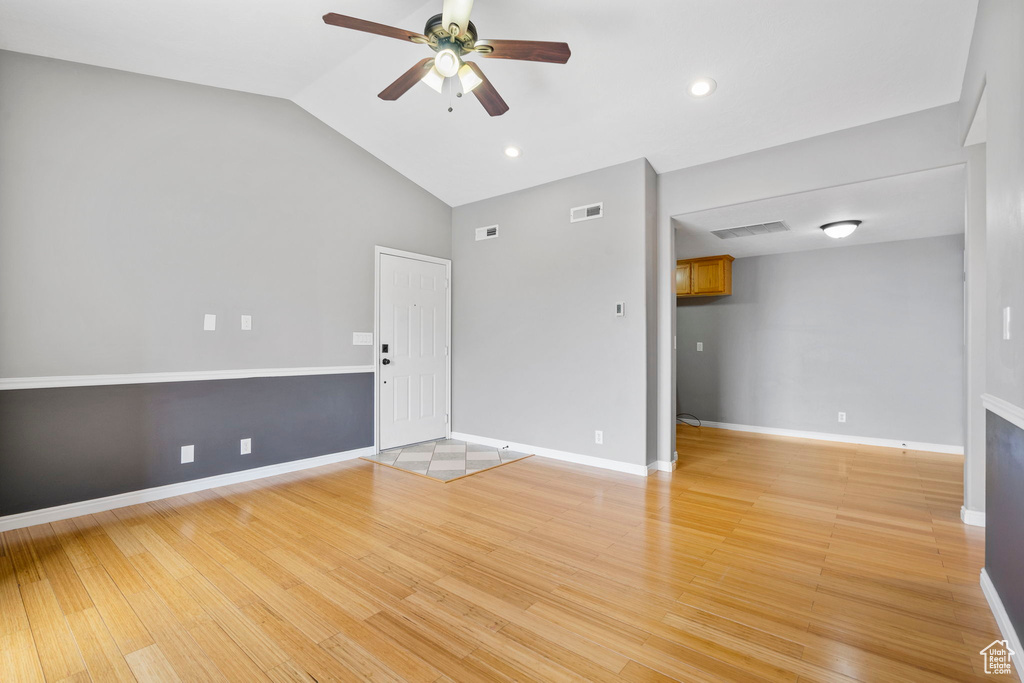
438 465
448 476
413 456
418 447
449 448
482 455
477 447
450 442
419 467
508 456
448 456
481 464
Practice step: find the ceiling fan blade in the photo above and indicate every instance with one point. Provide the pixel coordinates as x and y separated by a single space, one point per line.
456 12
371 27
486 93
525 50
407 80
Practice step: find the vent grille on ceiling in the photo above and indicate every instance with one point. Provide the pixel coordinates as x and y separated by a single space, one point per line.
488 233
586 213
750 230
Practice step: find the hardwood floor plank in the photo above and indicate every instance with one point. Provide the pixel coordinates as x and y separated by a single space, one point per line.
759 558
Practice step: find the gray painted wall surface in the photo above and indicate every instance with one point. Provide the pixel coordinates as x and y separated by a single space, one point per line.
996 63
875 331
541 358
78 443
915 142
133 205
975 324
651 282
1004 531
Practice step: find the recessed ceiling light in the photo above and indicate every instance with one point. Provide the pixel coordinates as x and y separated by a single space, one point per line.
512 151
840 229
702 87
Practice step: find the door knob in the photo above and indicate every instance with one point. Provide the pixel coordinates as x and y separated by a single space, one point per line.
386 361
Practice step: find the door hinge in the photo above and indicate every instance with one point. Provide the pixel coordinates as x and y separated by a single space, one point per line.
446 283
446 351
446 418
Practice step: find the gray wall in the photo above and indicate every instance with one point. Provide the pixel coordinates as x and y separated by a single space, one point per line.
975 324
875 331
541 357
996 63
131 205
78 443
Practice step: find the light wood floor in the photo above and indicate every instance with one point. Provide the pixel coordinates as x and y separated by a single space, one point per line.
761 558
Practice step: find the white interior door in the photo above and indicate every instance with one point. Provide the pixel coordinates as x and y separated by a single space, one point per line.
412 350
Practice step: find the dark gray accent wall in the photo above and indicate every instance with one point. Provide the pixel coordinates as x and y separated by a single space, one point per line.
875 331
71 444
1004 521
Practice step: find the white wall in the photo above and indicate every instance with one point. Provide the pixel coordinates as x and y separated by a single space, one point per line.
133 205
541 358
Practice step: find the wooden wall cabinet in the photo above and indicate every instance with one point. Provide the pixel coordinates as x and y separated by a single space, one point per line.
709 276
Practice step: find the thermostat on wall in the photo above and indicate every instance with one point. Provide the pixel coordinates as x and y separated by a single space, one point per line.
620 309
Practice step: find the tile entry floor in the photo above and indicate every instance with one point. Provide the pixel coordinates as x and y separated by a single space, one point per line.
445 459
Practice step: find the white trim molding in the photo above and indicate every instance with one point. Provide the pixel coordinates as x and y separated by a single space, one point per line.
1003 621
8 383
972 517
88 507
564 456
840 438
1004 409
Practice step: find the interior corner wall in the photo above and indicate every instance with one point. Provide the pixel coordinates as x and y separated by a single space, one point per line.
975 331
996 66
874 331
542 358
130 206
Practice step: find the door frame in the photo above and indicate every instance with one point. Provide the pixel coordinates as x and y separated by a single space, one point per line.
379 251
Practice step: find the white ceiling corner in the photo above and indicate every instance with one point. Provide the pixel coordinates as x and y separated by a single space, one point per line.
786 69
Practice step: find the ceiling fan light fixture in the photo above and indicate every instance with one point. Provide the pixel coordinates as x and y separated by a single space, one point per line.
702 87
512 151
434 79
447 62
468 78
840 229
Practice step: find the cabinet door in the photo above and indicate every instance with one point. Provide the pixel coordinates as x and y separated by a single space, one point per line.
683 279
708 277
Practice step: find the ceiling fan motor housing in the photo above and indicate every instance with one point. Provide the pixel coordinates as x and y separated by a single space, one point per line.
440 38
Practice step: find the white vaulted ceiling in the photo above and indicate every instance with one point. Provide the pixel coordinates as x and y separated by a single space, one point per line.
786 70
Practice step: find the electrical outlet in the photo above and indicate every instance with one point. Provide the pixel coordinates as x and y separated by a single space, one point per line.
246 446
599 437
700 346
247 322
188 454
842 417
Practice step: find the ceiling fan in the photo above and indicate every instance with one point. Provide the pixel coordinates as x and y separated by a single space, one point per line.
451 35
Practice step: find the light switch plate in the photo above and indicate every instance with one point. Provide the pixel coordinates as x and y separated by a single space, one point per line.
246 446
700 346
188 454
246 322
209 322
362 338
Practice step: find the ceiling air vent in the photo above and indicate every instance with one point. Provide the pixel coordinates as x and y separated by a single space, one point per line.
488 233
750 230
585 213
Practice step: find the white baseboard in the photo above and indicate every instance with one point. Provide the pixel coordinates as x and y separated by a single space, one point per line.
88 507
661 466
972 517
1004 623
840 438
565 456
